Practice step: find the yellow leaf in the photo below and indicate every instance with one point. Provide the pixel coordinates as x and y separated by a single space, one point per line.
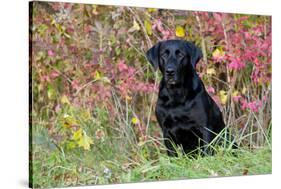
128 97
53 22
66 35
97 76
135 27
135 120
235 93
148 27
85 141
64 100
77 135
244 90
180 31
223 96
69 121
218 53
211 71
151 9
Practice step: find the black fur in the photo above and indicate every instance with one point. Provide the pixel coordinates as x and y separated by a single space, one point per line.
186 113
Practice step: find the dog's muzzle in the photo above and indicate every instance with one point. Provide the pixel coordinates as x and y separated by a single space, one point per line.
170 76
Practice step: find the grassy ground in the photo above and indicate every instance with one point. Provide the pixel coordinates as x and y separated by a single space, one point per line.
113 161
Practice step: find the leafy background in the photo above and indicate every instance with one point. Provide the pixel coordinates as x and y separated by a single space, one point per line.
93 92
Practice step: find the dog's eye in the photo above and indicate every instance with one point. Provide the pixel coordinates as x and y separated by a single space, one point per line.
179 54
165 54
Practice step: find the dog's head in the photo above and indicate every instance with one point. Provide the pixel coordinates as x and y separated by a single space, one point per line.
175 58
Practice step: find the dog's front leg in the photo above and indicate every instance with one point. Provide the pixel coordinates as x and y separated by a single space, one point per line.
206 140
169 145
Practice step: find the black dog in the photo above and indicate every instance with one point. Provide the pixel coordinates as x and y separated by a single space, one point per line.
186 113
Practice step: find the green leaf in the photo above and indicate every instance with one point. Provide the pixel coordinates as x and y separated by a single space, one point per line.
88 55
51 92
70 145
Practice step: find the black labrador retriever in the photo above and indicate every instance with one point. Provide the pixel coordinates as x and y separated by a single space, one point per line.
186 113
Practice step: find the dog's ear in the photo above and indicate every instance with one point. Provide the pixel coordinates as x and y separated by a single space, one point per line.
194 52
152 55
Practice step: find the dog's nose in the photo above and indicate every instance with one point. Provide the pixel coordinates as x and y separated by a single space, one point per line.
170 72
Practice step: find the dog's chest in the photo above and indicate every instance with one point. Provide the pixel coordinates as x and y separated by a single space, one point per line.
185 115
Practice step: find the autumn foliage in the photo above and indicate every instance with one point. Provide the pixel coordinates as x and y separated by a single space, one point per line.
88 67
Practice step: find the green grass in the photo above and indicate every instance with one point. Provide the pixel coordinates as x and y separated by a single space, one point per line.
113 161
122 156
222 164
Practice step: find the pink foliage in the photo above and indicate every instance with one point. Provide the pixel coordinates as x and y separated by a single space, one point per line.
211 90
122 66
128 82
158 26
236 98
75 84
236 64
253 105
244 45
51 53
219 58
54 74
